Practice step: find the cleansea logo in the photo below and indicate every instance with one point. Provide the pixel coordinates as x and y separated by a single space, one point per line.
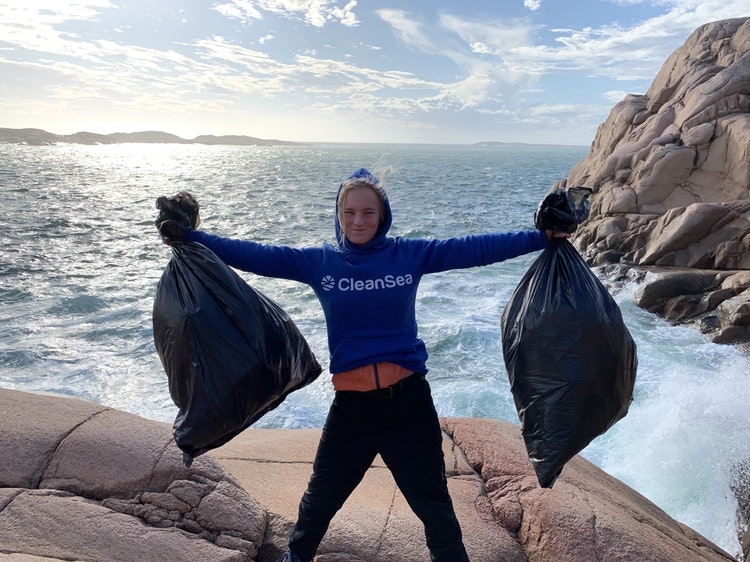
350 284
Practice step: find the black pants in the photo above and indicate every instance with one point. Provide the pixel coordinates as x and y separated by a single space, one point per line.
405 430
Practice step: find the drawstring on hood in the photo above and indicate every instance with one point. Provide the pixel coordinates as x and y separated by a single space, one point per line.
364 176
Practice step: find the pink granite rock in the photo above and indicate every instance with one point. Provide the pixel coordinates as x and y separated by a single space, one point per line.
671 175
83 482
80 481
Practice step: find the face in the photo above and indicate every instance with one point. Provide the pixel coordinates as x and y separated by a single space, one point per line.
361 215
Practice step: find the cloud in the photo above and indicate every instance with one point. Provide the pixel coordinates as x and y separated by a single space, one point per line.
406 29
631 52
79 54
242 10
495 37
334 76
346 14
316 13
231 68
33 25
471 92
522 51
52 12
615 96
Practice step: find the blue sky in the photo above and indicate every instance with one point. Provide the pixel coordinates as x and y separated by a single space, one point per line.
424 71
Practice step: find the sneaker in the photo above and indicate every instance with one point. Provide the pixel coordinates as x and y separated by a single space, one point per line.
289 556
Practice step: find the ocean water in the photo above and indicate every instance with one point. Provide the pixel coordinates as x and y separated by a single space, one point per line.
80 259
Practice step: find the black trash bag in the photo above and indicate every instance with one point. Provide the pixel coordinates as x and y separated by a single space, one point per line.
230 353
563 209
570 359
176 215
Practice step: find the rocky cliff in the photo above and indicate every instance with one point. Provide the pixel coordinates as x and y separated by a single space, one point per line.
670 171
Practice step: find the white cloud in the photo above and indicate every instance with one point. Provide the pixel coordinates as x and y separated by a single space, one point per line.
497 38
314 12
346 14
236 68
33 24
51 11
334 76
615 96
613 51
406 29
474 69
520 57
243 10
496 70
473 91
638 51
480 48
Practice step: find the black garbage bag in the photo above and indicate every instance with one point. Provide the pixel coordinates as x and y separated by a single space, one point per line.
570 359
563 209
231 354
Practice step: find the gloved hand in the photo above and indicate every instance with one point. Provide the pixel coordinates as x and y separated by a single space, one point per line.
171 230
177 215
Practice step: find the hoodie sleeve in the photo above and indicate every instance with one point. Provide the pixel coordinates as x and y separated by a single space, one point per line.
481 249
263 259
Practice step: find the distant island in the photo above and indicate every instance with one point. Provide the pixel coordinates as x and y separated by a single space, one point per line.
501 143
38 137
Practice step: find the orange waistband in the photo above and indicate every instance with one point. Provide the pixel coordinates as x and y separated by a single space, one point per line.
370 377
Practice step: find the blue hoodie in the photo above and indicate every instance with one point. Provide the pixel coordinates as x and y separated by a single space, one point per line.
368 293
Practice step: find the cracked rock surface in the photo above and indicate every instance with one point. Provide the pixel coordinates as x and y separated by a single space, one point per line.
81 482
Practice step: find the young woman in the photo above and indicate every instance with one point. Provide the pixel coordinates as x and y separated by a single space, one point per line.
367 285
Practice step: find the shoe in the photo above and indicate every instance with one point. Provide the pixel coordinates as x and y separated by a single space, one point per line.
289 556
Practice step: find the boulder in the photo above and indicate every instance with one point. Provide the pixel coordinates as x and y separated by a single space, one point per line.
79 481
670 172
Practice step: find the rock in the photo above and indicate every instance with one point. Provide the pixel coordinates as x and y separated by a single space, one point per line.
670 172
741 487
587 515
85 482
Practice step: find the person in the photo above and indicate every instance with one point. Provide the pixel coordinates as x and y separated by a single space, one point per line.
367 286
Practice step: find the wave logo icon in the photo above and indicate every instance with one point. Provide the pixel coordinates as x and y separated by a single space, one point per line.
328 283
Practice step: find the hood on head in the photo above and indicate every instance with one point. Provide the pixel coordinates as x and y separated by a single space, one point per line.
364 175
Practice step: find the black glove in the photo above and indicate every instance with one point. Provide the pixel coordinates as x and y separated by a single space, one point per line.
177 215
171 230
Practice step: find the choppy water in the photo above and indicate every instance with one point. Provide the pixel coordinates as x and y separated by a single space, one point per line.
80 258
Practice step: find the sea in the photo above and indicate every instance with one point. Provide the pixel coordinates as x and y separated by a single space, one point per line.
80 259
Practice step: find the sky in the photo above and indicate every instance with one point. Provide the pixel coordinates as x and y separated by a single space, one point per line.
365 71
